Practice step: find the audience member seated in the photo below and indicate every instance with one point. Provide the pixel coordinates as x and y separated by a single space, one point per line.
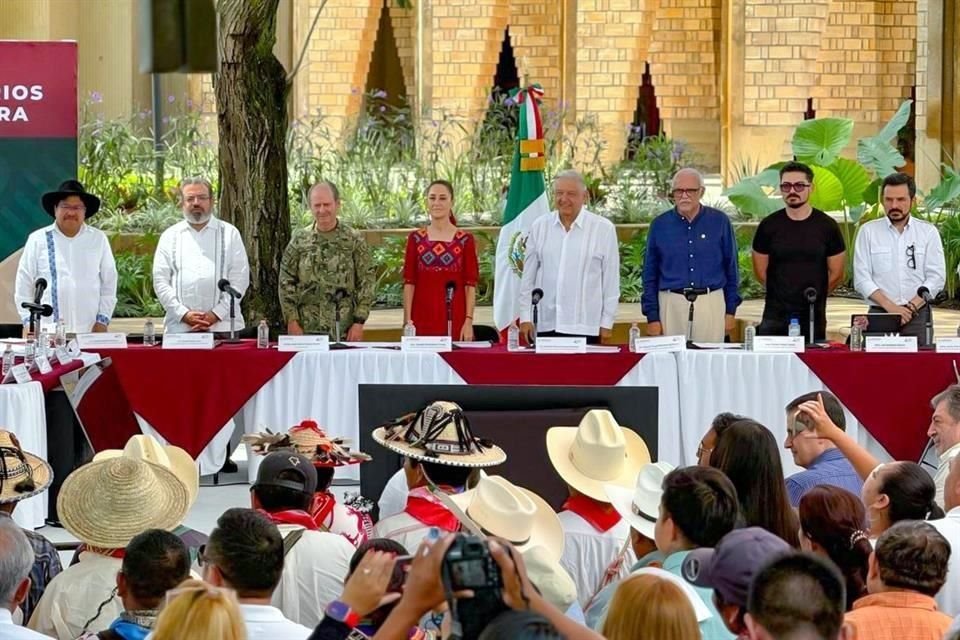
315 561
948 598
798 596
587 457
23 475
15 567
105 504
747 453
246 554
441 455
709 441
699 506
833 523
822 461
154 562
907 569
199 611
729 568
147 448
898 491
944 432
639 508
652 608
326 453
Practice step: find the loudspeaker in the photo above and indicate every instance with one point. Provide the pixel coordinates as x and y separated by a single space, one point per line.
178 36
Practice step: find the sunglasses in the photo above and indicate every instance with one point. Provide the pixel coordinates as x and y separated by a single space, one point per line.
797 187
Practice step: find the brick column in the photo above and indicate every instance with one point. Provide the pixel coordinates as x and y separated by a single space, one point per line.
535 33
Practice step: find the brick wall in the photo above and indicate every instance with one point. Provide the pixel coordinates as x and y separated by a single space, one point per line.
535 33
404 32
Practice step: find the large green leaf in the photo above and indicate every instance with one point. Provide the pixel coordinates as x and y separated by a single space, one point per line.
897 122
769 177
821 140
750 198
947 191
853 177
871 194
879 156
827 192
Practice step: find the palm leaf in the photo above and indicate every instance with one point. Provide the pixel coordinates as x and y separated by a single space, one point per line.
897 122
947 191
827 192
820 141
853 177
749 197
877 153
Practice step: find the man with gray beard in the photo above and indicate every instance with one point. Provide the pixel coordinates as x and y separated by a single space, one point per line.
192 257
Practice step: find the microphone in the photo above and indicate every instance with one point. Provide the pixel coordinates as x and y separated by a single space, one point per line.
451 287
810 294
224 285
536 296
39 287
924 293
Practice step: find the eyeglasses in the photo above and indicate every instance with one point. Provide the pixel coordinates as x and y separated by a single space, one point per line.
912 257
798 187
690 193
197 198
76 208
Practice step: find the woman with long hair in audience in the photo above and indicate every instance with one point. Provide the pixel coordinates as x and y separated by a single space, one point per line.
650 607
833 523
749 455
898 491
437 255
196 610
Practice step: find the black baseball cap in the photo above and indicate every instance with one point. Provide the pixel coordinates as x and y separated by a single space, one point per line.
273 464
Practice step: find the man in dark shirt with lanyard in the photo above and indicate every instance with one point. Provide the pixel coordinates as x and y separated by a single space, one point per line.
795 249
690 247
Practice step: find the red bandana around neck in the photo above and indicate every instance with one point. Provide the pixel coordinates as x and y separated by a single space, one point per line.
294 517
322 506
601 515
428 509
110 553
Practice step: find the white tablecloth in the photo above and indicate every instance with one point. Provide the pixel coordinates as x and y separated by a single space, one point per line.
22 412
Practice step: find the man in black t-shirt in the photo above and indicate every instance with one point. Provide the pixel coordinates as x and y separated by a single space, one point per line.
794 249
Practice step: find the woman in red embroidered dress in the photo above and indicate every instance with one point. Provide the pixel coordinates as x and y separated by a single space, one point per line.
437 254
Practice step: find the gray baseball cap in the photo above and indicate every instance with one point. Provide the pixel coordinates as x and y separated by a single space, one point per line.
729 567
273 464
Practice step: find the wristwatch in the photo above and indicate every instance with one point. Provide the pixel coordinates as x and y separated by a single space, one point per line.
341 612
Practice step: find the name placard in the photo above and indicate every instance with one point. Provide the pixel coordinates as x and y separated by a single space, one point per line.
947 345
95 341
426 344
303 343
778 344
62 355
891 344
660 343
187 341
561 345
43 364
20 373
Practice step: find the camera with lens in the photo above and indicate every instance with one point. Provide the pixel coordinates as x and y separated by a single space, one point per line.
468 565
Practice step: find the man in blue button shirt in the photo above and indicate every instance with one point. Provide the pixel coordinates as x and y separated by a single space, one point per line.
823 463
690 248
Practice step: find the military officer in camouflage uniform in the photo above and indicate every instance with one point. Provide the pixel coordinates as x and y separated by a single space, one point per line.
319 260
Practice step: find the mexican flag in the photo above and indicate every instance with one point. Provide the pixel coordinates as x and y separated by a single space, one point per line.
526 201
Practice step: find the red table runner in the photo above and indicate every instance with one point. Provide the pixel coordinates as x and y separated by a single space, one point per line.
499 366
889 393
187 395
51 380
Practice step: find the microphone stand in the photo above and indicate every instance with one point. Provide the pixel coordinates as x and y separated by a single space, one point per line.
928 326
536 321
233 320
450 317
812 340
336 315
691 295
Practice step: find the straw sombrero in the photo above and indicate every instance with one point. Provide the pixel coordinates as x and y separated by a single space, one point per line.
22 474
549 577
499 508
105 503
640 506
597 452
439 434
147 448
307 438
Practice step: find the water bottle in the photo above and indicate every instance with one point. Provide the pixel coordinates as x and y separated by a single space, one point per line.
43 343
634 334
149 333
263 335
60 338
409 330
856 338
7 359
30 352
513 337
749 333
794 329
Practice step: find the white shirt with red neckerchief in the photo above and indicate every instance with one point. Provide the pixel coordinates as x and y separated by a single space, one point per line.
411 526
352 524
589 553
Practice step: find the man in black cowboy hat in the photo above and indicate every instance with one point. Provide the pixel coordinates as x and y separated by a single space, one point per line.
75 261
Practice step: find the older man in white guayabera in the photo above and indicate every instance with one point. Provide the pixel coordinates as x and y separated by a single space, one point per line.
16 560
573 259
944 433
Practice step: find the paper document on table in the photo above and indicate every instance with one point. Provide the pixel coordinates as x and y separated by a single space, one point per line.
719 345
18 346
473 345
603 348
373 345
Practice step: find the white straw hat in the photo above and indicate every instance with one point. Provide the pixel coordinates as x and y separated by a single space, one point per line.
549 577
105 503
501 509
147 448
640 507
22 474
597 452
